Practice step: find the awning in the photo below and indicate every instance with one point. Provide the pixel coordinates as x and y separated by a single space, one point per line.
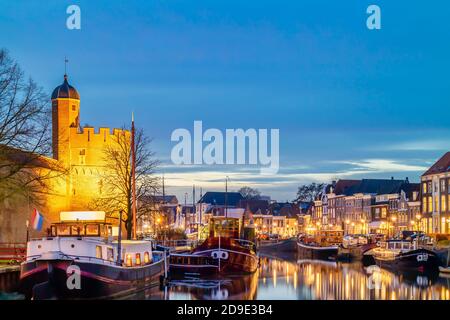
375 224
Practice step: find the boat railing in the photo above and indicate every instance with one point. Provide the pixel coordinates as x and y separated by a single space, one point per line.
176 243
246 243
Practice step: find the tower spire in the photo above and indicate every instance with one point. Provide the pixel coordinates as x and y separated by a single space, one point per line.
66 61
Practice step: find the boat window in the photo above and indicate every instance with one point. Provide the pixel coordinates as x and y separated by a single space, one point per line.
76 230
63 230
138 259
98 252
110 254
146 257
129 260
92 230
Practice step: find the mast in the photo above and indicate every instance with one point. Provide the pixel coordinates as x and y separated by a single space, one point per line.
226 197
133 176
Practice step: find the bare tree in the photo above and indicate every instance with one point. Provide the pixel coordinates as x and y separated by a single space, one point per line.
309 192
250 193
116 182
25 119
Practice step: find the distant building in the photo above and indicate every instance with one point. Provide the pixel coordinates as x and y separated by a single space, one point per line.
367 205
435 199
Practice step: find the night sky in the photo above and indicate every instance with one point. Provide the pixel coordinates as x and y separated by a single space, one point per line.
349 102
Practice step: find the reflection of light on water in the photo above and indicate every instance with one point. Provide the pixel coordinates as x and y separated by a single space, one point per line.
324 280
274 276
295 279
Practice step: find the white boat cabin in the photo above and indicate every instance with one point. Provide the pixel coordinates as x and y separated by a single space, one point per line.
86 236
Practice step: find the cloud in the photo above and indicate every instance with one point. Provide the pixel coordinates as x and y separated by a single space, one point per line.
383 165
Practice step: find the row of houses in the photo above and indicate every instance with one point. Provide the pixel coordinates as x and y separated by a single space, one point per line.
384 206
270 217
387 205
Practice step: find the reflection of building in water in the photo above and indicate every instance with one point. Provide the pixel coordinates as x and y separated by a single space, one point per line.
233 288
329 280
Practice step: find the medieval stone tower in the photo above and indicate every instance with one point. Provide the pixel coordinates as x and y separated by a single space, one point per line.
79 150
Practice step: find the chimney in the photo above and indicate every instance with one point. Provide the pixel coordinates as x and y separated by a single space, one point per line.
407 180
392 178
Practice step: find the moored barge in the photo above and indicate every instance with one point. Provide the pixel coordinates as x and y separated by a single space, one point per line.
224 251
404 255
79 259
324 245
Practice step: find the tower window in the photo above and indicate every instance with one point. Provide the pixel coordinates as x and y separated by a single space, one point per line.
74 107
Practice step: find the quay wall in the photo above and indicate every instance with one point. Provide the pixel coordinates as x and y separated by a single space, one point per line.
9 278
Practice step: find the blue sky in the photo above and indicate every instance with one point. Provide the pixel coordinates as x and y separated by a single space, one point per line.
349 102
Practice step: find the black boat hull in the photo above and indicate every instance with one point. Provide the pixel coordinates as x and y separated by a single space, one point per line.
48 279
320 253
420 260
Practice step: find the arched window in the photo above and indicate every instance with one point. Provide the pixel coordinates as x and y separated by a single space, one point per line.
138 259
129 260
146 257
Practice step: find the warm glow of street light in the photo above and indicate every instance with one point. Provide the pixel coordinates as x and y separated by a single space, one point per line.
418 216
347 221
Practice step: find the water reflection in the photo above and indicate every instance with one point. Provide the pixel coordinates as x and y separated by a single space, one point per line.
309 279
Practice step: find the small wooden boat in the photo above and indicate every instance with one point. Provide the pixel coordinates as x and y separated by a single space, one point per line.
324 244
404 255
80 260
224 251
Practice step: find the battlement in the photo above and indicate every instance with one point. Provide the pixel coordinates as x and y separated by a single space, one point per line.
101 135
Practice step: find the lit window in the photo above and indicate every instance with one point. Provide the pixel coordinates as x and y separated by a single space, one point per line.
98 252
110 254
443 203
146 257
129 260
424 187
430 204
138 259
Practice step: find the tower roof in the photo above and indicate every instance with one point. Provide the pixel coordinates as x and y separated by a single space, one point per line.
65 91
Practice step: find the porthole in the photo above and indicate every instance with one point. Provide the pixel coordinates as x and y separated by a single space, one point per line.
72 245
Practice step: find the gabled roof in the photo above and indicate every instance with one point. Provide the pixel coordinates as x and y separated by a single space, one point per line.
218 198
442 165
287 209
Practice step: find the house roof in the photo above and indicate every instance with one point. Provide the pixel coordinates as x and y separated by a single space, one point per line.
440 166
218 198
165 199
287 209
342 185
377 186
255 205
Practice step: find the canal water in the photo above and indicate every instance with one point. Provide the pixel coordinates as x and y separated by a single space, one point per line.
308 280
292 279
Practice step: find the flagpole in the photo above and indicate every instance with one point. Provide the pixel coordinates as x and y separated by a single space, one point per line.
133 176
